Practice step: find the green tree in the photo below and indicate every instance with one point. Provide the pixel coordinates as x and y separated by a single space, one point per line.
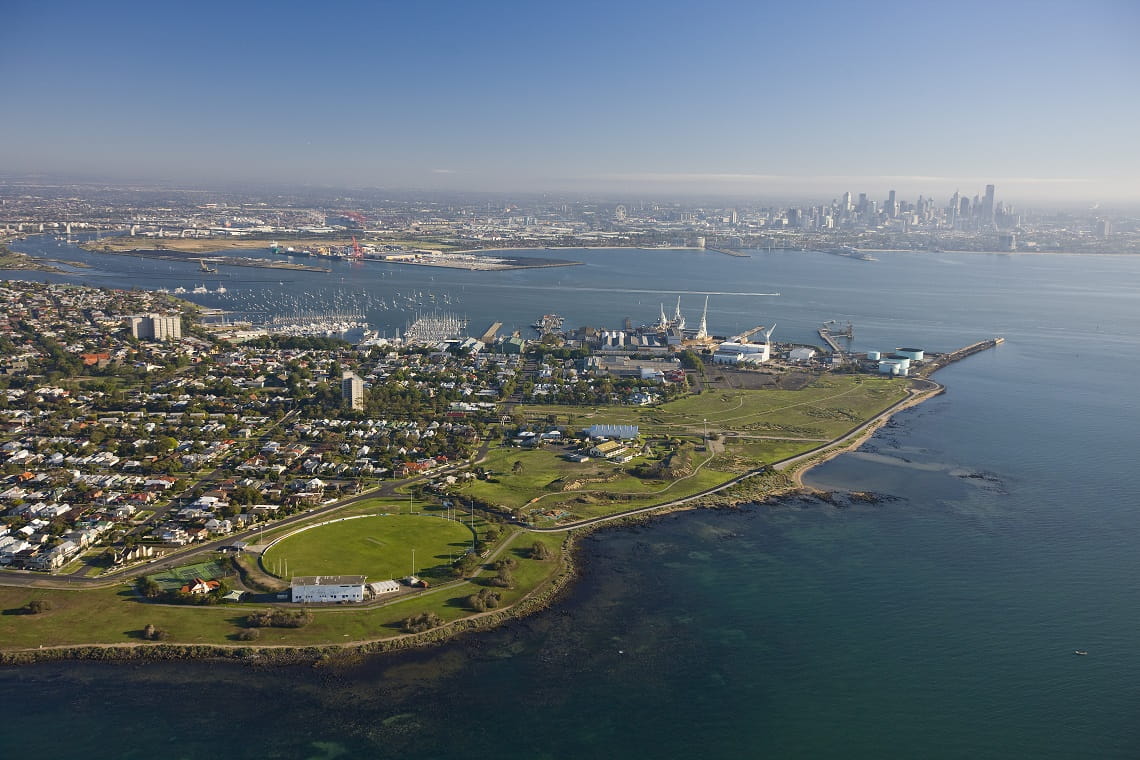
36 606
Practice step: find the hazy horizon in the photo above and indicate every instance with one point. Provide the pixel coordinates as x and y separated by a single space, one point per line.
732 99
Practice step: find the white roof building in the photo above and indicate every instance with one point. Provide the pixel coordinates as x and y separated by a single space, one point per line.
327 588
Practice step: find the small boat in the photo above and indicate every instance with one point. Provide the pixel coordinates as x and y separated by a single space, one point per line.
1080 651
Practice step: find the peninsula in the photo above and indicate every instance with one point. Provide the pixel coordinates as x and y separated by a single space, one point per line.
259 503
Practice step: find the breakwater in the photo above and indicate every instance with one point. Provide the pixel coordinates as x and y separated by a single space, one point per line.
944 359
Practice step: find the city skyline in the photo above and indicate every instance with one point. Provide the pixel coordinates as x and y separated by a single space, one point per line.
735 99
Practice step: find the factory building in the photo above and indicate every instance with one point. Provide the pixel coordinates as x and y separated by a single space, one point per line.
741 353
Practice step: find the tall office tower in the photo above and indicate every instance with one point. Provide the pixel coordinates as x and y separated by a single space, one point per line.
862 208
847 202
964 209
988 205
892 207
733 219
352 390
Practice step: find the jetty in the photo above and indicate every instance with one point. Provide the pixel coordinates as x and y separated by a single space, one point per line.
944 359
830 329
730 252
744 336
490 333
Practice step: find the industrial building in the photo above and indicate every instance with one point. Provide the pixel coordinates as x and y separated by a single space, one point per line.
742 353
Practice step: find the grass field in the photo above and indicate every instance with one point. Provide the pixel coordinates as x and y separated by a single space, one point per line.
379 547
550 489
828 407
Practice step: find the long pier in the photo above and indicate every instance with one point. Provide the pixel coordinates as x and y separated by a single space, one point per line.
490 333
744 336
825 334
944 359
730 252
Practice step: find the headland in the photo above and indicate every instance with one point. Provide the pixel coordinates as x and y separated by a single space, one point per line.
522 551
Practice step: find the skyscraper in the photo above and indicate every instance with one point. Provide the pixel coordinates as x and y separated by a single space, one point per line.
988 205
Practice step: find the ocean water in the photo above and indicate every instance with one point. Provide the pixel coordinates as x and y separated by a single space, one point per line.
939 621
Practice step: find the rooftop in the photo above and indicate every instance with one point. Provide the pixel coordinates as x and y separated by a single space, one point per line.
327 580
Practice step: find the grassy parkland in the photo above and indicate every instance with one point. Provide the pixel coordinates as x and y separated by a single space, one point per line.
685 447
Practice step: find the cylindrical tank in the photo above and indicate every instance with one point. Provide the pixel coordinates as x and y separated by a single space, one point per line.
873 356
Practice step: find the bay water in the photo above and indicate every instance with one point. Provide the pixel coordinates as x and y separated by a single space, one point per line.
939 621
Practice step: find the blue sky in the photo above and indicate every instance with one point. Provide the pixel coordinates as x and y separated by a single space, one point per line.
735 98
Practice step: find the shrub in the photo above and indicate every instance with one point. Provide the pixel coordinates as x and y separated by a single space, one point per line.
540 551
36 606
485 600
149 588
506 563
150 633
249 634
505 578
279 618
424 621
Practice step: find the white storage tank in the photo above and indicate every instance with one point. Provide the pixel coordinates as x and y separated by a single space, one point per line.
873 356
914 354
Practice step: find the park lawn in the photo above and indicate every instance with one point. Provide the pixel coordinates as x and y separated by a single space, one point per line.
540 469
751 453
828 407
578 418
116 615
536 489
584 504
379 547
107 616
